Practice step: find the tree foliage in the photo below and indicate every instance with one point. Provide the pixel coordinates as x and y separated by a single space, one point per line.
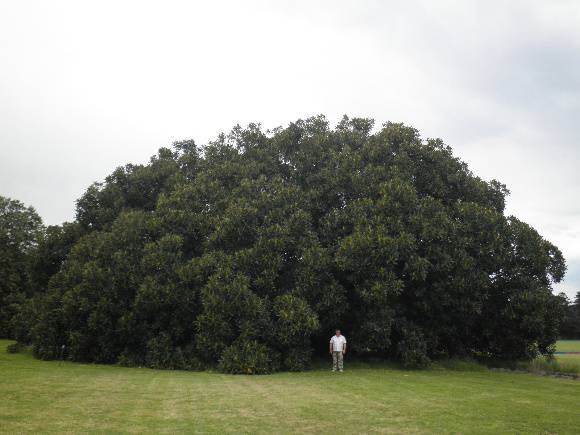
570 328
20 228
246 253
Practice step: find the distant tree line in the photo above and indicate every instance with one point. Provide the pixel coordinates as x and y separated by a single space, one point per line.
246 253
570 328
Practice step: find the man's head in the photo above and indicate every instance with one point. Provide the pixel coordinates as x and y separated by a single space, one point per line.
337 332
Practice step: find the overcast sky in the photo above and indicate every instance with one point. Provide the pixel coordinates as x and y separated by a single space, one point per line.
87 86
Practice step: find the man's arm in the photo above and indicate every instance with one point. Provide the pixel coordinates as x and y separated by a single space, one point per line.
330 347
344 348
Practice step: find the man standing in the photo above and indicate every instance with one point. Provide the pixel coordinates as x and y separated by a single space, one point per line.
337 350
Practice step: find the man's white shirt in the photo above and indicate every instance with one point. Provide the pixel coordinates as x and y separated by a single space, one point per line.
337 343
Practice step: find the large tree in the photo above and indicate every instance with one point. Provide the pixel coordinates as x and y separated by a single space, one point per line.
248 251
20 229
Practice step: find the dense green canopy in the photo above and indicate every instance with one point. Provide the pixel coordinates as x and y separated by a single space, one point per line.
249 251
570 327
20 228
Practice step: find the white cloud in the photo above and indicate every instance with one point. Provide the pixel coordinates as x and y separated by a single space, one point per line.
85 87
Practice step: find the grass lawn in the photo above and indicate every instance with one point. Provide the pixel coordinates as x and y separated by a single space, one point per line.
568 346
569 357
39 396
